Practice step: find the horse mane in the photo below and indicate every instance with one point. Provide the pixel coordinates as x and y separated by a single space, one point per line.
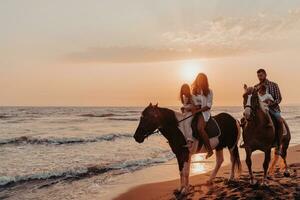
169 117
255 101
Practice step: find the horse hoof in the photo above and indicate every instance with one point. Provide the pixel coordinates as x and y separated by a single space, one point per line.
183 191
182 194
177 191
232 179
253 182
264 183
287 174
181 197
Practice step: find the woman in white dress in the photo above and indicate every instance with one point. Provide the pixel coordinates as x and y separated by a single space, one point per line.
202 99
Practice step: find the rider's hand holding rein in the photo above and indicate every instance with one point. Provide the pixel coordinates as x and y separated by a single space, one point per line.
197 109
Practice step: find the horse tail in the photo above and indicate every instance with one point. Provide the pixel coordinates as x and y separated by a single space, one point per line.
236 159
235 150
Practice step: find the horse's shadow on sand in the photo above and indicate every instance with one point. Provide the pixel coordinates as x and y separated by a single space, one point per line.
279 187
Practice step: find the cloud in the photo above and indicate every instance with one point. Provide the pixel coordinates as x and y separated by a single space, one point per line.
223 36
148 54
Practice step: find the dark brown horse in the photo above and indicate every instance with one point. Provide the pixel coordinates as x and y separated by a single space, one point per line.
258 134
166 121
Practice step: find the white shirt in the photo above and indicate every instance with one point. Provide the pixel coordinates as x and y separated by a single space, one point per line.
204 101
185 126
186 104
265 97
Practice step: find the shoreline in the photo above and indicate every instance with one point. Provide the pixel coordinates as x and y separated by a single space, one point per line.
164 190
162 172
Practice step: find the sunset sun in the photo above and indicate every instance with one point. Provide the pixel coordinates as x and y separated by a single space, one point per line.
189 71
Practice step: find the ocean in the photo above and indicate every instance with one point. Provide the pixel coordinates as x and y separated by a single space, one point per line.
47 149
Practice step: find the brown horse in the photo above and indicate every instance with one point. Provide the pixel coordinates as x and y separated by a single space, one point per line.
258 134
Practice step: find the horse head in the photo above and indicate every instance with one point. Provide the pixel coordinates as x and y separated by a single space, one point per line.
251 101
149 122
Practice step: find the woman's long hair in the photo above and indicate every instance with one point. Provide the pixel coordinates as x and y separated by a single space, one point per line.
186 91
201 84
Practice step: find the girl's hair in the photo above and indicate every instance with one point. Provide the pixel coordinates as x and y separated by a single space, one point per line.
185 90
262 88
201 84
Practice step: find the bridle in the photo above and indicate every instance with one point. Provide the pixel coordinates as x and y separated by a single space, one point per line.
148 133
252 114
249 106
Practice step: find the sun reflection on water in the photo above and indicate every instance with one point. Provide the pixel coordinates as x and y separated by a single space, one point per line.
199 165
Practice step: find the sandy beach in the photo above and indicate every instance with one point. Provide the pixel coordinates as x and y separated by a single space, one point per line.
112 99
279 187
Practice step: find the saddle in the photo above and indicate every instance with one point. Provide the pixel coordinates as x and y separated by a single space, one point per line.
212 129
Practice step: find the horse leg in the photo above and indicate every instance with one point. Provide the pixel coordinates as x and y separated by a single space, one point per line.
182 159
249 164
180 165
266 165
185 177
219 161
273 165
283 156
232 173
186 174
181 181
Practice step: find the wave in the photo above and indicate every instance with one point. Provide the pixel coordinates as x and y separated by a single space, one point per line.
85 172
5 116
67 120
103 115
22 120
292 118
133 111
123 119
6 181
60 141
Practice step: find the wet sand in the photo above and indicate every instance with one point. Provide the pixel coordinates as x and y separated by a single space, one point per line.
279 186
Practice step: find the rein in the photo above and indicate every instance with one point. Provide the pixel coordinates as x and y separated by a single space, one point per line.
187 117
182 120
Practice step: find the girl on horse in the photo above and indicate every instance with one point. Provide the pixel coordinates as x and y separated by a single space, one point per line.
202 99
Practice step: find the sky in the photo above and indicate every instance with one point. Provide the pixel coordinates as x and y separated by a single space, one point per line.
130 53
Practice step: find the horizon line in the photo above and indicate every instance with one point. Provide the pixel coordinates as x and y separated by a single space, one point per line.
128 106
